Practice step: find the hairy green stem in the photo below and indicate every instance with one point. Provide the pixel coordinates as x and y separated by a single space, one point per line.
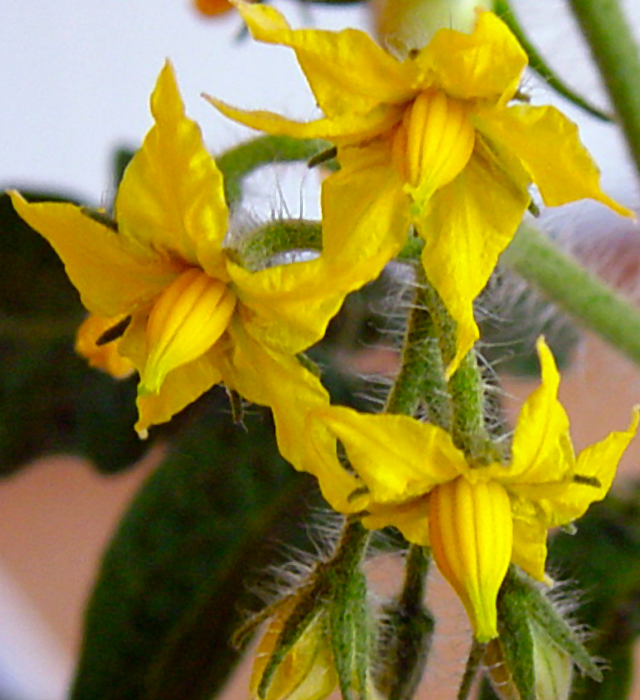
422 377
616 54
239 162
576 290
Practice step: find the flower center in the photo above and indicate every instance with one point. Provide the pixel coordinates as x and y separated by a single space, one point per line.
186 320
471 533
433 144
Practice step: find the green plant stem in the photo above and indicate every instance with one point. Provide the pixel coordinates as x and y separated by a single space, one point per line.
416 570
616 54
539 65
469 430
473 662
576 290
239 162
422 377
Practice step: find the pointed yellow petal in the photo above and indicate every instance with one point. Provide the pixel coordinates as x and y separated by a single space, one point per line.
471 534
486 65
397 457
469 223
186 320
288 307
365 211
171 198
549 147
342 129
595 468
279 381
181 387
541 444
411 518
113 276
104 356
347 70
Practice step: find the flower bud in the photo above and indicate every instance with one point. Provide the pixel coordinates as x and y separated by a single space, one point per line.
406 25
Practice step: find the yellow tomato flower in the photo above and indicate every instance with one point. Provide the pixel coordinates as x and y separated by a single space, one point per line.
477 519
430 141
196 317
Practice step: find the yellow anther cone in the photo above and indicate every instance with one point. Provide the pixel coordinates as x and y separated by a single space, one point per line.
439 143
187 319
471 531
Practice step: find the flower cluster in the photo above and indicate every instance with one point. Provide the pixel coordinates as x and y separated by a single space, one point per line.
436 149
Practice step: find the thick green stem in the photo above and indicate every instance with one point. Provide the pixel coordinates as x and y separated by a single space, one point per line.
471 670
416 570
422 377
617 56
585 297
239 162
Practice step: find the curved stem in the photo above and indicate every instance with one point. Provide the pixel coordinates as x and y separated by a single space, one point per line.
576 290
616 54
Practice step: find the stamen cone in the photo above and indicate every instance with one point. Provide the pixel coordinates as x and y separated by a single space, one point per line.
439 143
187 319
471 532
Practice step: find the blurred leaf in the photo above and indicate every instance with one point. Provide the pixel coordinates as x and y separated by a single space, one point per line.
50 400
176 574
603 558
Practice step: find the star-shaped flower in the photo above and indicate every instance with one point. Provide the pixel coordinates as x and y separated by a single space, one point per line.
432 141
193 317
477 519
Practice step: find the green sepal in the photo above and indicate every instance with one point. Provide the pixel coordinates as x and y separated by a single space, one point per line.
544 614
174 581
515 638
349 624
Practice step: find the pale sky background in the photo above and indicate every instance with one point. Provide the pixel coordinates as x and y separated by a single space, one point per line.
75 79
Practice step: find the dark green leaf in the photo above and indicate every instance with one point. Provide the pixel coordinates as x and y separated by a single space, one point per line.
176 575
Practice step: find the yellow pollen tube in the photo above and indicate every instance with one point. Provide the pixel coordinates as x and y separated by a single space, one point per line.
471 533
186 320
439 143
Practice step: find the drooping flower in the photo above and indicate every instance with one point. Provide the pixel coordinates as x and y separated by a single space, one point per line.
476 518
193 317
433 141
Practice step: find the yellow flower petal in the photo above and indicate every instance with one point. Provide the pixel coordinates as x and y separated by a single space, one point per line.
342 129
112 276
347 70
549 147
486 65
186 320
279 381
396 457
594 472
411 518
171 198
469 223
530 542
104 356
180 387
365 212
541 446
471 534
